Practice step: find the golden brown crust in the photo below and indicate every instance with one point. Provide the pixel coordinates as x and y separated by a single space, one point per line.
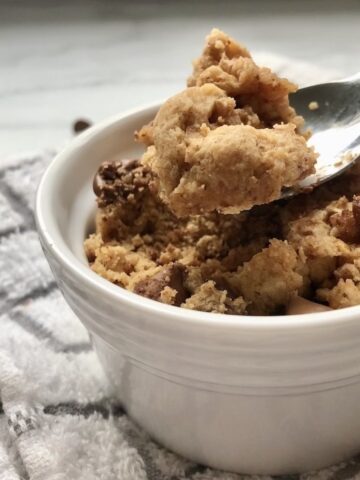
229 66
269 279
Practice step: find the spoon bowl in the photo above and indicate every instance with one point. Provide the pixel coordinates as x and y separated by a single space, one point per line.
332 113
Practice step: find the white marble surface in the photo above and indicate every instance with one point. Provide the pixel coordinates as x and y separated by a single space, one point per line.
64 60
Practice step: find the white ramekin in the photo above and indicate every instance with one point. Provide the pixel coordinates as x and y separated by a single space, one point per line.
268 395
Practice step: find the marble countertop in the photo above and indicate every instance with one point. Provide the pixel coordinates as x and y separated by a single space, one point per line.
63 60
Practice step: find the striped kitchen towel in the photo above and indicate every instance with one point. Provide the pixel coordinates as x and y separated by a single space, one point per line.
59 418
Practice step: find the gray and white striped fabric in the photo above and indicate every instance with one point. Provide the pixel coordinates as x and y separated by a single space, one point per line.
59 419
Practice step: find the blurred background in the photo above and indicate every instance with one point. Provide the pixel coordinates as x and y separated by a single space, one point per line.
60 61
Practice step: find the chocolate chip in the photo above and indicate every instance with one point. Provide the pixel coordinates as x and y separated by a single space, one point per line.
347 223
105 172
80 125
172 275
130 164
222 284
120 180
356 209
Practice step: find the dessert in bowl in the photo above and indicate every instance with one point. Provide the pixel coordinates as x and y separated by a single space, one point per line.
238 385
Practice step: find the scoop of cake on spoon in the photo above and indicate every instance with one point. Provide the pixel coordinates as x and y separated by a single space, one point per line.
332 112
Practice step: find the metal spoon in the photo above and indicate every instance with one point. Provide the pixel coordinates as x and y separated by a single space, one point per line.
335 126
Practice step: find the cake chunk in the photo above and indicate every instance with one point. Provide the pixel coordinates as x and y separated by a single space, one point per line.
230 140
228 65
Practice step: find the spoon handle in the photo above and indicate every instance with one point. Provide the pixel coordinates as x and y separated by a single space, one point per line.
353 78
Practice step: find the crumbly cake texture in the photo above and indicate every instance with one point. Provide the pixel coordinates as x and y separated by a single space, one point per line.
230 140
251 263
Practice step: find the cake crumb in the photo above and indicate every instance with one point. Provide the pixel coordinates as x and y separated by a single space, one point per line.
313 105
